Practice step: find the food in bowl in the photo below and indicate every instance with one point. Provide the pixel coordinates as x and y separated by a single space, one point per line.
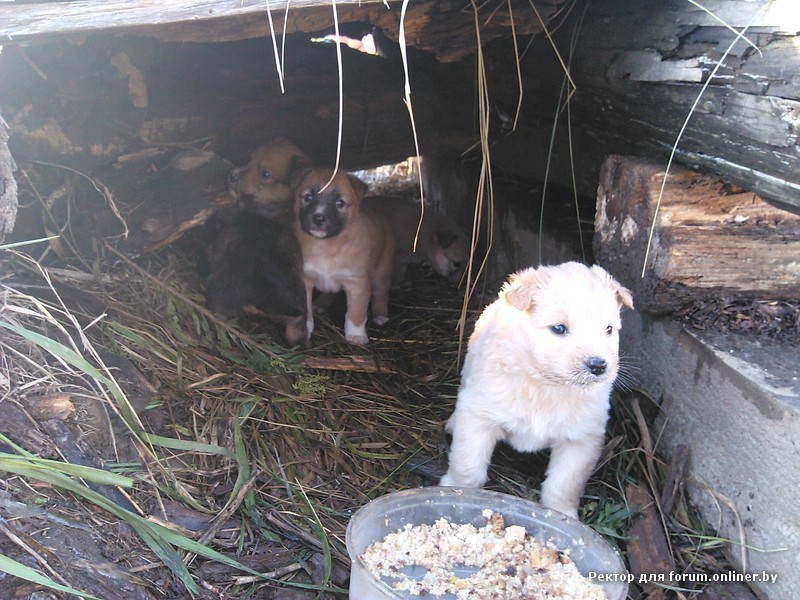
477 563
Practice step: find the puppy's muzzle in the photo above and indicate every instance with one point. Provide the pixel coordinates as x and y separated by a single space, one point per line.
596 365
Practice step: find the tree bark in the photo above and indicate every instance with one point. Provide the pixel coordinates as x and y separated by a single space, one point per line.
705 239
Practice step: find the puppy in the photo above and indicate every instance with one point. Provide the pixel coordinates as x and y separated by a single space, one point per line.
345 247
252 266
262 185
440 243
538 373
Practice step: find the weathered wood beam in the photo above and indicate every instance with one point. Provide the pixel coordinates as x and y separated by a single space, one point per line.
445 27
28 22
705 239
642 68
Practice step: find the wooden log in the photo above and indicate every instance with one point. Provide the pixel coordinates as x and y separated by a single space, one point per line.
641 69
710 239
444 27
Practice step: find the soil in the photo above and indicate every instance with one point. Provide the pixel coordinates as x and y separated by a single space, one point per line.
777 321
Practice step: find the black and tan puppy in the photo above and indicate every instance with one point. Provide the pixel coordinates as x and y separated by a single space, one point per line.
345 247
262 185
253 267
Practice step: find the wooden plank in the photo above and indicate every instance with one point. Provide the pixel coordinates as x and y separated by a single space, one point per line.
441 26
709 239
648 550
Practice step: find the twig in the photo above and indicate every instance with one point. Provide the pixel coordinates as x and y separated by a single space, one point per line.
362 364
277 573
231 507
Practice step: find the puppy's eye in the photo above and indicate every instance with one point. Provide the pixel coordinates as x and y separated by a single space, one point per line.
609 330
264 174
307 198
559 329
340 203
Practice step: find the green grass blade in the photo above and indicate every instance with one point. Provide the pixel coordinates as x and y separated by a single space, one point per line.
187 445
71 357
11 463
12 567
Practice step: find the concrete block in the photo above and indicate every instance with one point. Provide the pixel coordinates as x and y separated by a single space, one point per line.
736 405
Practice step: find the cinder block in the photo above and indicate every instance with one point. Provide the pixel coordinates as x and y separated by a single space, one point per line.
736 405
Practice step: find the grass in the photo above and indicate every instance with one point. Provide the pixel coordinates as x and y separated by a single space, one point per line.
273 457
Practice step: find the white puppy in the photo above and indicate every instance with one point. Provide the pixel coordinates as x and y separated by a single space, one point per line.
538 373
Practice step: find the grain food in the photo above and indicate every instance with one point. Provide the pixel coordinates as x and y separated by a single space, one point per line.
493 562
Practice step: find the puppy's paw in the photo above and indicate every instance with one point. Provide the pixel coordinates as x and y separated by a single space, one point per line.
309 329
567 510
451 480
380 320
360 340
355 334
568 507
447 481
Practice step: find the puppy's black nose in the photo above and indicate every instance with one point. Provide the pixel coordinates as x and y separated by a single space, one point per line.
318 219
596 365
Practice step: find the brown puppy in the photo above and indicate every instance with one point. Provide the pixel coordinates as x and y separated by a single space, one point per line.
440 242
345 247
252 266
262 185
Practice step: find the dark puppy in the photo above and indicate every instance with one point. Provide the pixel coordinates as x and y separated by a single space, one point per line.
345 247
253 267
262 185
439 241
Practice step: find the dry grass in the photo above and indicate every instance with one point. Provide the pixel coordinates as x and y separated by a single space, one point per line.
230 440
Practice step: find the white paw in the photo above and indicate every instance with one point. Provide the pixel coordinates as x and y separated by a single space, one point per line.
568 508
450 480
447 481
355 334
309 328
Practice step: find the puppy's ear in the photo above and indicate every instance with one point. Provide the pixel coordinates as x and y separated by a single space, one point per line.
624 297
520 290
359 186
297 175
